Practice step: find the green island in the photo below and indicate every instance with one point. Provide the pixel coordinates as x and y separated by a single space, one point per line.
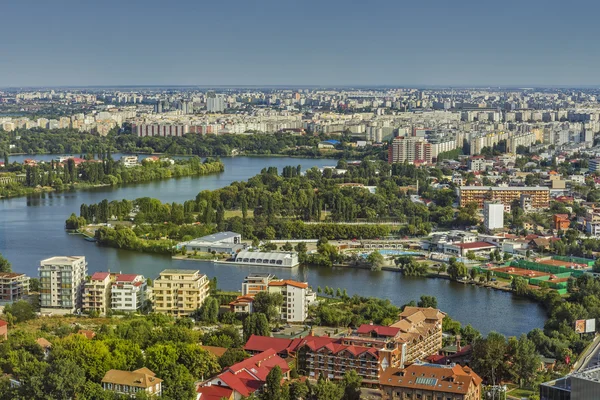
75 173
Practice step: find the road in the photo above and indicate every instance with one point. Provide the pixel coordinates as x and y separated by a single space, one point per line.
591 356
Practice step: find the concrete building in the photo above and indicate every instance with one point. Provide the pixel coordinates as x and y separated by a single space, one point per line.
129 161
493 215
128 292
430 381
62 281
221 242
409 149
179 292
96 293
284 259
581 385
130 382
214 102
13 286
297 296
540 196
256 283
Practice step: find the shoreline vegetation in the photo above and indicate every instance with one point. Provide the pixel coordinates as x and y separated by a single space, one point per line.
24 180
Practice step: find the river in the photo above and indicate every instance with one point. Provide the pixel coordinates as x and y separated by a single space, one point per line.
32 229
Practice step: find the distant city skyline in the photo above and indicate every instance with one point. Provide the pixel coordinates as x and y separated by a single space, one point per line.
310 43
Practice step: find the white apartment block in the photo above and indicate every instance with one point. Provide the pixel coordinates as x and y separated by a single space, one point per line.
297 296
128 292
62 281
493 215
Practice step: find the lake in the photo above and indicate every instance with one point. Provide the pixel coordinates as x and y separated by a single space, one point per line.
32 229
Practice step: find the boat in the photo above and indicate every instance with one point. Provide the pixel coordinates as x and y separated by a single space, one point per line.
90 239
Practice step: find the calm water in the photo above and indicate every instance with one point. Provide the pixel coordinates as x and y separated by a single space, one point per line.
31 229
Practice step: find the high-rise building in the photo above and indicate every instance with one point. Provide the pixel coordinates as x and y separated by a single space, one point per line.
128 292
13 286
214 102
179 292
297 296
96 294
62 281
410 149
493 215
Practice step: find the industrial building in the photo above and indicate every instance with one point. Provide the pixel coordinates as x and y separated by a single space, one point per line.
221 242
285 259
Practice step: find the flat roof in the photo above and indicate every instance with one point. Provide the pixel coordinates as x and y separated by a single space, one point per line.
180 271
61 259
217 237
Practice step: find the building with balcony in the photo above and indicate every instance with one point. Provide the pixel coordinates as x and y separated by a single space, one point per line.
128 292
96 293
540 196
62 281
131 382
409 149
421 330
255 283
13 286
297 296
430 382
179 292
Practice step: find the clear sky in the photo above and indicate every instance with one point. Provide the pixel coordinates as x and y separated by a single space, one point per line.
299 42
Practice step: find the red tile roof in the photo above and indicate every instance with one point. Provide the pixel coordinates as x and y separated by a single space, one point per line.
3 323
214 392
289 282
380 330
100 276
475 245
126 277
263 343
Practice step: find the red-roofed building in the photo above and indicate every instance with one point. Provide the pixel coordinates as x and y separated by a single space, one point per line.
561 221
245 377
128 292
96 293
377 331
3 329
242 305
215 392
283 347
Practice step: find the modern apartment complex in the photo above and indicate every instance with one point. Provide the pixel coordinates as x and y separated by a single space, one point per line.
96 294
131 382
430 382
13 286
62 281
410 149
540 196
256 283
179 292
128 292
296 298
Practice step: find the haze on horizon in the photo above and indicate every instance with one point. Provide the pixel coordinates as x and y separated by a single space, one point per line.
309 43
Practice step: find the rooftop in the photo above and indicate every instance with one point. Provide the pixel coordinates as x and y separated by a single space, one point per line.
142 378
217 237
179 272
100 276
61 260
504 188
432 377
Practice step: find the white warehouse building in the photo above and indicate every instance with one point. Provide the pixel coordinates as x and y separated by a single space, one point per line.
285 259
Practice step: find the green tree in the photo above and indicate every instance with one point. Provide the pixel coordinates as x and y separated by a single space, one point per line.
489 355
255 324
525 360
351 382
457 270
5 265
232 356
427 301
268 304
272 389
376 260
21 310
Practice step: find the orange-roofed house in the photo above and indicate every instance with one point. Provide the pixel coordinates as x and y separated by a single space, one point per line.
297 296
3 330
242 305
430 381
131 382
561 222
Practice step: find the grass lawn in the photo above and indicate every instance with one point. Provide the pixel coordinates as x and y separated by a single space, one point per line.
237 213
520 392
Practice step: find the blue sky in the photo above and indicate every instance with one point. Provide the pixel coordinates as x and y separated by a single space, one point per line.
290 42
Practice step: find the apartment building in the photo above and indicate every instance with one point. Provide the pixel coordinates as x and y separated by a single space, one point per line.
409 149
255 283
13 286
540 196
131 382
96 293
128 292
62 281
421 330
297 296
493 215
430 382
179 292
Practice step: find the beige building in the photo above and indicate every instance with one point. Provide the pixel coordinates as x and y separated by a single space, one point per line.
179 292
131 382
421 330
13 286
430 382
540 196
96 293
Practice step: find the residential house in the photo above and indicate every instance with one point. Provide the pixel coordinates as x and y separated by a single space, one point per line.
3 330
45 345
242 305
561 222
131 382
244 378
